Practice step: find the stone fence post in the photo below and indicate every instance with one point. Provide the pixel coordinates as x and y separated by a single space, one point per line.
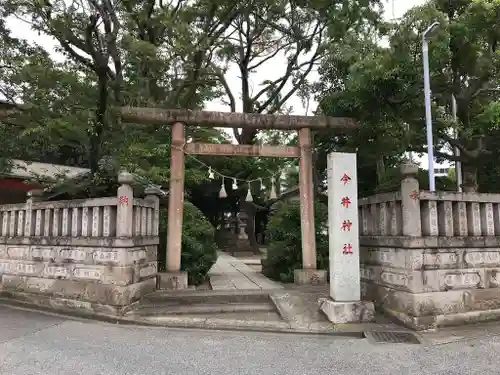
125 207
152 195
34 195
410 200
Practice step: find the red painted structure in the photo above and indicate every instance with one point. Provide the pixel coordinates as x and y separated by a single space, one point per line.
17 184
14 186
14 190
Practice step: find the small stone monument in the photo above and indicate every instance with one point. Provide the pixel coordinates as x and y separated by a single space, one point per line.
344 304
243 243
242 226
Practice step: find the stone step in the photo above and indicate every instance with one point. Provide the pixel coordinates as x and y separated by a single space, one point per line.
191 297
200 309
251 261
242 254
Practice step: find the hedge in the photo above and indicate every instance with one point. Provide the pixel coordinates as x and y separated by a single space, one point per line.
284 252
199 249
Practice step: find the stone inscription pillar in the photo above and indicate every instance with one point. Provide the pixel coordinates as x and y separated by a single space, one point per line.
344 305
343 227
308 274
173 278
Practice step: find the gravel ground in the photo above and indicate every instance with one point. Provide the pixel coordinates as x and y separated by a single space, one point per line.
33 344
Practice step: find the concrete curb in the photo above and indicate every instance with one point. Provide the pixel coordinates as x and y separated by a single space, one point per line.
428 338
247 325
190 322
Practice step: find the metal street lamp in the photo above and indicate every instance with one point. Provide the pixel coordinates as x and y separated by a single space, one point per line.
428 33
458 164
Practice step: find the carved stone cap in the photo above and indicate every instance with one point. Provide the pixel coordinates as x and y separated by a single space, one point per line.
125 177
409 169
153 190
469 188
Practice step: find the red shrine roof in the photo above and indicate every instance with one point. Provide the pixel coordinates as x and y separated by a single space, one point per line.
22 170
25 170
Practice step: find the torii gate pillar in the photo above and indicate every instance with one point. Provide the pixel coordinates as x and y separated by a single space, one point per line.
174 278
308 274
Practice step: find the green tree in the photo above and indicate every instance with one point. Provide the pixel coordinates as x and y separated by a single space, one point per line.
136 65
353 83
465 62
387 84
298 32
139 52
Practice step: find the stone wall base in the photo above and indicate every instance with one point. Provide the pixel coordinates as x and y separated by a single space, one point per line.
173 280
422 311
309 277
421 323
347 312
85 295
61 305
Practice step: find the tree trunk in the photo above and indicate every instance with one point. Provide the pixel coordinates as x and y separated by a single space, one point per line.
380 170
469 178
100 124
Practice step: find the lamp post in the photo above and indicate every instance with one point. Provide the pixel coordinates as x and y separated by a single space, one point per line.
429 32
458 164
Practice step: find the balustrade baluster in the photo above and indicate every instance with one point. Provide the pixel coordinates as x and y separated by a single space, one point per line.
487 222
429 218
460 219
48 220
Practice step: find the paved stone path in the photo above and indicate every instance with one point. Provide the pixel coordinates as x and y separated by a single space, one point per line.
230 273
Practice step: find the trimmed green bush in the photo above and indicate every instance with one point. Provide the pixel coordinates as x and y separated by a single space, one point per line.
284 252
199 250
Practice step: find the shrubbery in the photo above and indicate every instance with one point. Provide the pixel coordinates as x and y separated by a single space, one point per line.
284 253
199 250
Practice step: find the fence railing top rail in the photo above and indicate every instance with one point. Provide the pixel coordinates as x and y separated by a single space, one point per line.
380 198
459 197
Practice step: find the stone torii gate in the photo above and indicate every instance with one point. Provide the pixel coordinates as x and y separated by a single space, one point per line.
173 278
178 119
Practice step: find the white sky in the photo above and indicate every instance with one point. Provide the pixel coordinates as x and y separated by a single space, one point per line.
393 9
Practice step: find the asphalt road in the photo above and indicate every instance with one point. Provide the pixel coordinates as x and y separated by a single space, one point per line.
35 344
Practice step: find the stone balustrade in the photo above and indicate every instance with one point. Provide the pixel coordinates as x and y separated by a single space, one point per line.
431 259
460 214
441 214
89 218
380 215
97 254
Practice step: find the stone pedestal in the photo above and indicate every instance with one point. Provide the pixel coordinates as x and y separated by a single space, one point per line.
345 305
347 312
309 277
173 280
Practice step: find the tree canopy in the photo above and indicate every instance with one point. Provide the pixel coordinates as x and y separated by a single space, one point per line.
383 84
178 55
